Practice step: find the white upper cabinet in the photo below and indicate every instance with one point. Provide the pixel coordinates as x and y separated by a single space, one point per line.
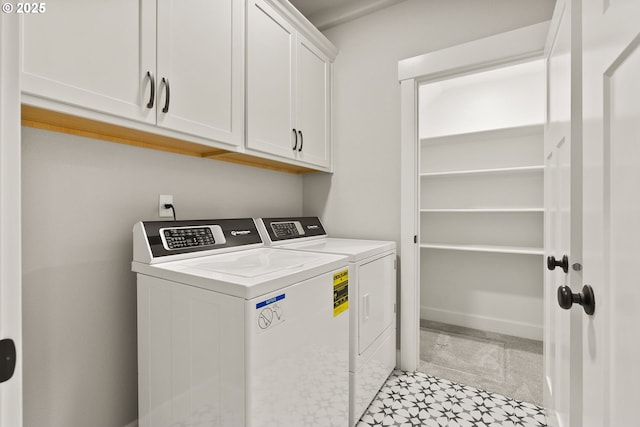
171 75
288 87
92 54
270 81
312 118
180 67
200 57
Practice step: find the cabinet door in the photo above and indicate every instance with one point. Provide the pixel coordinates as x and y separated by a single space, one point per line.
313 101
200 58
92 54
270 81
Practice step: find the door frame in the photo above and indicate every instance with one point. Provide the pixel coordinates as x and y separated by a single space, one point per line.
509 48
565 25
10 211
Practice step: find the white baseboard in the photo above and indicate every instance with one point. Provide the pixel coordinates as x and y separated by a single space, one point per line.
484 323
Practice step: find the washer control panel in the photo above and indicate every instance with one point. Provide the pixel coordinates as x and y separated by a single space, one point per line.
287 229
187 237
155 240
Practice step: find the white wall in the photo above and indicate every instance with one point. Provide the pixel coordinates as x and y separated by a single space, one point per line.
483 101
362 198
80 200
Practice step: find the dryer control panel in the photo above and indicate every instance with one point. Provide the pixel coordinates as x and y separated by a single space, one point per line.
281 229
287 229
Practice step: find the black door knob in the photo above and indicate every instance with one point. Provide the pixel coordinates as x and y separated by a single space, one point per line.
552 263
585 298
7 359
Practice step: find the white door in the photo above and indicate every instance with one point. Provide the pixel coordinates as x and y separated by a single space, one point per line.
563 206
611 59
92 54
270 81
313 104
10 259
557 350
201 68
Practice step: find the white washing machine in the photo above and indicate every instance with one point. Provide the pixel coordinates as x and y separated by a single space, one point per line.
372 299
231 333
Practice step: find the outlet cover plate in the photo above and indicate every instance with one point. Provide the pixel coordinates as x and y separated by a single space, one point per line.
162 211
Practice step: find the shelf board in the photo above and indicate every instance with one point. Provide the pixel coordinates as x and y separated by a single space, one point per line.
531 129
483 210
41 118
485 248
518 169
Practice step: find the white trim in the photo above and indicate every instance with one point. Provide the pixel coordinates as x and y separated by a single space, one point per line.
10 222
511 47
409 202
484 323
305 27
348 11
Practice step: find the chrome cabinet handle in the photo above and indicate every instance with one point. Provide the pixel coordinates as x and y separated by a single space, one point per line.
152 97
301 141
295 134
168 91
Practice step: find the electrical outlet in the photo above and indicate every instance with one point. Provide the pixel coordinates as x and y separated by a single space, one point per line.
162 211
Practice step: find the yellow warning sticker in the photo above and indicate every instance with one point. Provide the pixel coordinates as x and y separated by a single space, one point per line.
340 292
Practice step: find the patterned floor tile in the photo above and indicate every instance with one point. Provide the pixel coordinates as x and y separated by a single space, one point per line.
411 399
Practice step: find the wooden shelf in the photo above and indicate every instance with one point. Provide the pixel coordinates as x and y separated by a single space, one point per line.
484 210
519 169
59 122
485 248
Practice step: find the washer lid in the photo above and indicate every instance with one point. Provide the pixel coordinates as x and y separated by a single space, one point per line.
246 274
245 264
356 249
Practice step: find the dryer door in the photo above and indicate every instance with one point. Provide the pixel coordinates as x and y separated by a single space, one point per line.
376 296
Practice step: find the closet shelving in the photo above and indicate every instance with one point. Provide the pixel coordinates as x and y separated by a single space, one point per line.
482 191
482 210
485 248
479 180
485 171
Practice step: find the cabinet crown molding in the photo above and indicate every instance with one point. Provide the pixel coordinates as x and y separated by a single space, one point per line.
305 27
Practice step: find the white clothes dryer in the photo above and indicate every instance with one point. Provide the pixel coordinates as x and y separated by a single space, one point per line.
372 299
231 333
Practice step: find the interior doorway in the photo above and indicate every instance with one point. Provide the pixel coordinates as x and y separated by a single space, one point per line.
480 192
473 203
